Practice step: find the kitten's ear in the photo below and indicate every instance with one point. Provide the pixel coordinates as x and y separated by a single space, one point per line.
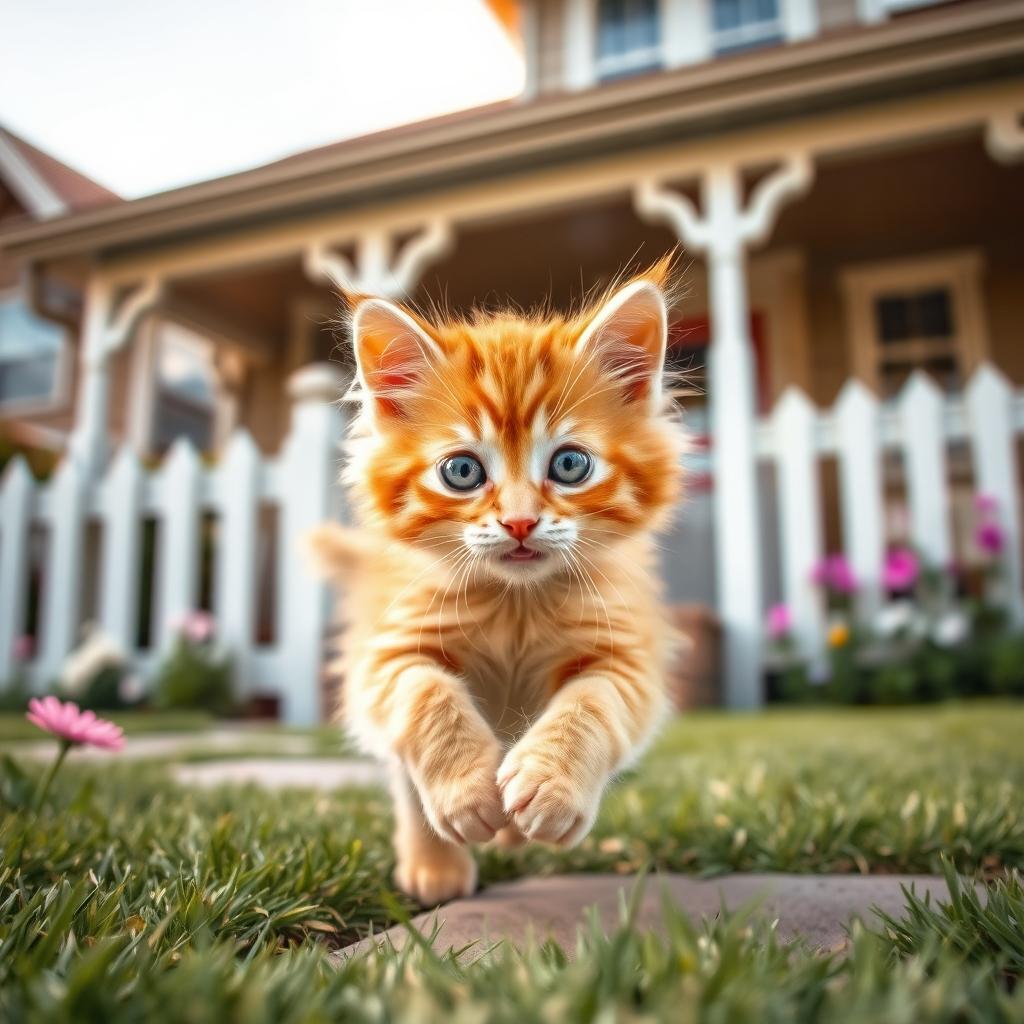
630 332
393 353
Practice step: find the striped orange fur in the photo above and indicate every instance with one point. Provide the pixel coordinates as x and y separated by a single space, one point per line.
505 644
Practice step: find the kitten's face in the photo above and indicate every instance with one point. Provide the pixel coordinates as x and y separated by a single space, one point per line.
520 448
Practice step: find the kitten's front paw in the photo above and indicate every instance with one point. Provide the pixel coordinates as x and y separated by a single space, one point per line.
464 808
436 875
546 803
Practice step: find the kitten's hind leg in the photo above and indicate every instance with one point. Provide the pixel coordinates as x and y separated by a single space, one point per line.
428 868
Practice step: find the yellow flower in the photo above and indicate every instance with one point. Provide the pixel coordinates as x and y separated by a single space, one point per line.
838 634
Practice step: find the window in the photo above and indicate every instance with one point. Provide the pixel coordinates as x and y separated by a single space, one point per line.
31 352
185 397
628 37
742 24
920 314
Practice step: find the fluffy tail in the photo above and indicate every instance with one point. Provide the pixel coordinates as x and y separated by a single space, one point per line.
335 551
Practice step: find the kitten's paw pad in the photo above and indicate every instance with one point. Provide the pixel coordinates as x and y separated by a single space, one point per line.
464 810
438 877
545 805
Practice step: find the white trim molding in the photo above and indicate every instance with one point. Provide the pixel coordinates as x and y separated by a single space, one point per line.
957 271
29 187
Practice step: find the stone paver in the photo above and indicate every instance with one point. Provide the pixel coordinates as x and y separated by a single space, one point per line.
816 907
281 773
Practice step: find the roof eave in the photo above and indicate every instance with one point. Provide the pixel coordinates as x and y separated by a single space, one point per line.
948 45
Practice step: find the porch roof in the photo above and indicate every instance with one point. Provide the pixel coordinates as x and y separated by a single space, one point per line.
944 46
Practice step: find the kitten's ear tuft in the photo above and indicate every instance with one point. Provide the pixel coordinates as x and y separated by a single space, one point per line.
393 352
630 332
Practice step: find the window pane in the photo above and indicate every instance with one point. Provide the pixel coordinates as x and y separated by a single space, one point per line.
186 388
29 349
32 377
727 14
893 318
764 10
934 317
625 26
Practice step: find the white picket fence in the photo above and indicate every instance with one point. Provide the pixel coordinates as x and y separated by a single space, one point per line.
299 484
921 425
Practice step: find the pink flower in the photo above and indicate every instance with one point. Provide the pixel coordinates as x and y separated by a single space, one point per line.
73 726
197 627
779 621
990 538
985 505
24 648
900 570
835 573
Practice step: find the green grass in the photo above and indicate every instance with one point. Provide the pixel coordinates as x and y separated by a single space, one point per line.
15 728
134 899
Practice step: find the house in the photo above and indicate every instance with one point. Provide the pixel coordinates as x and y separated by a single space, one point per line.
37 368
844 177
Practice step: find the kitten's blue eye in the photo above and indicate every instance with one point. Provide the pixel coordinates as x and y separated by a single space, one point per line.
570 466
462 472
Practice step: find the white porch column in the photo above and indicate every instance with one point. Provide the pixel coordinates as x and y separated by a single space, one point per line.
106 326
88 444
309 471
723 233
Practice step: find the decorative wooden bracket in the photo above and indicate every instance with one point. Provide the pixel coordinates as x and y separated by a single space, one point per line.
725 225
372 271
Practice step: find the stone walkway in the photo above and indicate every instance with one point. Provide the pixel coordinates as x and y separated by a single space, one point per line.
816 907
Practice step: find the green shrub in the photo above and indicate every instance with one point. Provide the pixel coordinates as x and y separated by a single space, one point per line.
195 675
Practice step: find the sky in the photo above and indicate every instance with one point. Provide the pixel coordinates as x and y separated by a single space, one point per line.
147 95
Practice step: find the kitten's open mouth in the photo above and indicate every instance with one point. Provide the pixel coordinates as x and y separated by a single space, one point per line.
522 554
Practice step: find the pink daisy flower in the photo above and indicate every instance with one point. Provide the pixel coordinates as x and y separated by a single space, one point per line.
72 725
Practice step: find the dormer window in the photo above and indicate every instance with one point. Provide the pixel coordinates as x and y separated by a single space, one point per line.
628 37
744 24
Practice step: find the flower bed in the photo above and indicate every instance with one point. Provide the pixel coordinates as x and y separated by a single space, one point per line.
941 632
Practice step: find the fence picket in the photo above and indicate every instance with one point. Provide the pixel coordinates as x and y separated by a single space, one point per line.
238 493
793 424
119 575
62 586
924 453
16 491
990 412
309 467
178 558
860 481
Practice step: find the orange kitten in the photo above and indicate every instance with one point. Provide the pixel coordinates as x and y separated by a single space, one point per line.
506 646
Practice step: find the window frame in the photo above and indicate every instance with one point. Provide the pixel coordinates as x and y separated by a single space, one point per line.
957 272
60 393
686 37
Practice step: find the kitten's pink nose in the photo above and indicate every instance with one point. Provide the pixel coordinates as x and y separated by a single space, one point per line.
519 528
